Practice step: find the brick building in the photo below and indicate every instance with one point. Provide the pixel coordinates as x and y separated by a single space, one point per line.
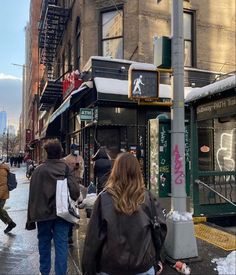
71 31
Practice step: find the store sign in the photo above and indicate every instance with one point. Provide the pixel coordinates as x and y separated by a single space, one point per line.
219 107
71 82
86 114
143 84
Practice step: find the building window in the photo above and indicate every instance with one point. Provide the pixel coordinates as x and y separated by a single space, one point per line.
112 33
78 43
188 39
69 48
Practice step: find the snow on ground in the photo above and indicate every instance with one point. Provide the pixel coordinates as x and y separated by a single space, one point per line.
226 265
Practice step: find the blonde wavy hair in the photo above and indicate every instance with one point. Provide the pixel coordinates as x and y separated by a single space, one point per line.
126 184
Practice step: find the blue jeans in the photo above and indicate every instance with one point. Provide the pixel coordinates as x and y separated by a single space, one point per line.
57 230
151 271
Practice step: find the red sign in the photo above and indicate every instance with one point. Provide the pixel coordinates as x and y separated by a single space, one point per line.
71 83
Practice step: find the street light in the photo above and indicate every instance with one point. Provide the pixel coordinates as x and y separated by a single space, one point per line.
23 107
180 241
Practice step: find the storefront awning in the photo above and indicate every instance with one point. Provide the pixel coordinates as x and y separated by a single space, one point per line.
66 103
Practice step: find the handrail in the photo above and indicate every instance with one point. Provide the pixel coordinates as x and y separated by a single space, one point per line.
207 186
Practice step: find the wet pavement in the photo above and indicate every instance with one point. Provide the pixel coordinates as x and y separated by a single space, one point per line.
18 249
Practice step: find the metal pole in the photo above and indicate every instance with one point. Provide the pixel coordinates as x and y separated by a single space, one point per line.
177 111
7 141
180 242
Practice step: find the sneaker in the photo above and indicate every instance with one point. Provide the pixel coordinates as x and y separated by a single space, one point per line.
10 226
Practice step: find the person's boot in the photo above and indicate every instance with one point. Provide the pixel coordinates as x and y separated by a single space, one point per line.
10 226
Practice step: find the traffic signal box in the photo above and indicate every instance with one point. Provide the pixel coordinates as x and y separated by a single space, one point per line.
162 52
144 84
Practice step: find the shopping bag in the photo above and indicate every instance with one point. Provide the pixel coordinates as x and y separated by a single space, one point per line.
11 181
66 207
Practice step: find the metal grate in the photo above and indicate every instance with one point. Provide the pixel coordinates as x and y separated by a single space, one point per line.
215 236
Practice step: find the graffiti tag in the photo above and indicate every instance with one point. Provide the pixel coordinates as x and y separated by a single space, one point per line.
178 171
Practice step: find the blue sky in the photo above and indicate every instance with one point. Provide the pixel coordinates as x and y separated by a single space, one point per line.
14 16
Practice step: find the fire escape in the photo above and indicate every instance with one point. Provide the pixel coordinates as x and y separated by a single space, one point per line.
52 24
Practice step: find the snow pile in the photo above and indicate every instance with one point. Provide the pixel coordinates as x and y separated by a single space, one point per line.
143 66
226 265
214 88
176 216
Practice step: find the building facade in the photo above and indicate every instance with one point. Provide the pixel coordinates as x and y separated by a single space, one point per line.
70 32
31 76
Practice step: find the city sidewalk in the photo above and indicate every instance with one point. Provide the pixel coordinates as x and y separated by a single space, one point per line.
19 253
18 249
202 266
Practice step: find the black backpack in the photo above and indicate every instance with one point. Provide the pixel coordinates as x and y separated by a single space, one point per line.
11 181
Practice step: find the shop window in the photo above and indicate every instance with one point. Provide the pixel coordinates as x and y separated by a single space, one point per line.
205 145
110 138
217 144
188 39
112 33
225 144
116 116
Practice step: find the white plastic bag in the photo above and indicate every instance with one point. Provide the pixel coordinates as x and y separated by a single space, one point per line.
66 207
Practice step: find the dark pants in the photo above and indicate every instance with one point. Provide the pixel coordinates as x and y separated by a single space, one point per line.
70 233
3 213
57 230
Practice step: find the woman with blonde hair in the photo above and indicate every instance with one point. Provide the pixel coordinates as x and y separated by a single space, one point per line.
119 237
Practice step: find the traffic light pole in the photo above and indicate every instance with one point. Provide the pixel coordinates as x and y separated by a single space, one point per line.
180 242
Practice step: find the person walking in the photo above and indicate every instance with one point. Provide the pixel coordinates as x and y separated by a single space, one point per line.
42 208
76 163
102 168
119 235
4 195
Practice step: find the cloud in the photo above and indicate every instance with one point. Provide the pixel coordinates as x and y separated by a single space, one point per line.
11 98
9 77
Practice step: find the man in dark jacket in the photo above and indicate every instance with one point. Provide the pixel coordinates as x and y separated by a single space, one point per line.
42 208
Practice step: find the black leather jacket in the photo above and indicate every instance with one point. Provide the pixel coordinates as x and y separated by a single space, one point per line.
116 243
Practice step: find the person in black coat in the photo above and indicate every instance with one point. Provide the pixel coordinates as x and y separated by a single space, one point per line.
102 168
119 238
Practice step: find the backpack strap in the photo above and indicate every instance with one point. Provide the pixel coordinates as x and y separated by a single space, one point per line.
67 171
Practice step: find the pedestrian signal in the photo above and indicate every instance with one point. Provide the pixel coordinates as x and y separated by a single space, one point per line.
143 84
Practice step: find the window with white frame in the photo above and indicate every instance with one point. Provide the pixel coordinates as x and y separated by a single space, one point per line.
112 33
188 39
